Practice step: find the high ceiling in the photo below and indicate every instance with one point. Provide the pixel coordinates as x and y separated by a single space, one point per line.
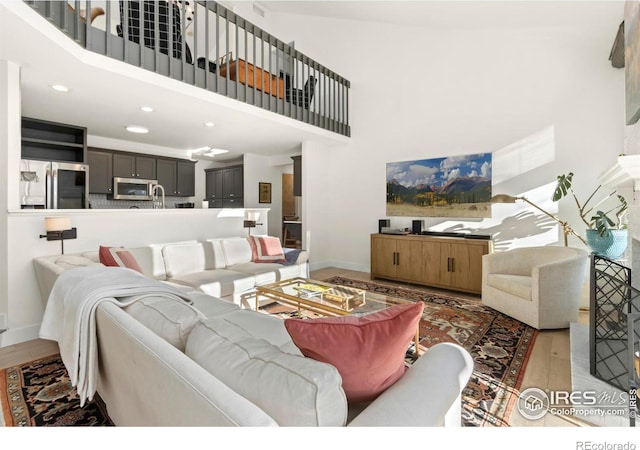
106 100
457 14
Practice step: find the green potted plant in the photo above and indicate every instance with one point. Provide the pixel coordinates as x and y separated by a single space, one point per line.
606 230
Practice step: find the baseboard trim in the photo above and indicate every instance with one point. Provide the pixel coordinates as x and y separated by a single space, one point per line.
18 335
340 265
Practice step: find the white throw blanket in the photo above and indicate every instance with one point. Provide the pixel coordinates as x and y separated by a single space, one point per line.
69 317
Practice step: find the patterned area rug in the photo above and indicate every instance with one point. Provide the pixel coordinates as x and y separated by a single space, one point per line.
500 347
39 393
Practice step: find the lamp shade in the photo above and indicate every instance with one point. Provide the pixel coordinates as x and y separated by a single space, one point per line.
253 215
57 223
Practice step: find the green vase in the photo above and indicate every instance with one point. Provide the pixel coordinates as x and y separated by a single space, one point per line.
612 246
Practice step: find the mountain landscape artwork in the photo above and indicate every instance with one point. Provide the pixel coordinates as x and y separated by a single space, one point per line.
456 186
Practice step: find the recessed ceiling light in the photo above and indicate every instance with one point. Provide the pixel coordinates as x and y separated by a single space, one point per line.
146 108
137 129
209 124
59 88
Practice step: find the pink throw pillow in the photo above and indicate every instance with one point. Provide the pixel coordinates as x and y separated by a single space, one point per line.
118 257
266 249
106 258
368 351
127 260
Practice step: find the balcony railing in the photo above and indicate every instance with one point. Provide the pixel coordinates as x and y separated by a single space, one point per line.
206 45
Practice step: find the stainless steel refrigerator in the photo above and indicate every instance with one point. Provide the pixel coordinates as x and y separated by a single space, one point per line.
53 185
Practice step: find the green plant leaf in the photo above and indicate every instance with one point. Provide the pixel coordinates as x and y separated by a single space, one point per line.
602 223
563 186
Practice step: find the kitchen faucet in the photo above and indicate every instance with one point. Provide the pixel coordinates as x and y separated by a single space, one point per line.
154 196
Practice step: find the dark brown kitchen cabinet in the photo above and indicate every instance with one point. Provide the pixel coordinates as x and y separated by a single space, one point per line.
178 178
127 165
100 171
225 187
186 178
51 141
166 170
232 182
213 182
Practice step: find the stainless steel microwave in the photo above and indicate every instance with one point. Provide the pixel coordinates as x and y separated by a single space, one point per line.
133 188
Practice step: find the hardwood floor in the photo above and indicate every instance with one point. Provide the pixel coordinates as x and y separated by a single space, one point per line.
549 366
14 355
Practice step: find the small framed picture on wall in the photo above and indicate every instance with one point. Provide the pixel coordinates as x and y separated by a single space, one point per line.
264 192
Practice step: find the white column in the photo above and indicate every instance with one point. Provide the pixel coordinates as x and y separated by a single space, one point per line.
10 119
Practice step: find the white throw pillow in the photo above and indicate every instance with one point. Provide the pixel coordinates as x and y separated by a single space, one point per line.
293 390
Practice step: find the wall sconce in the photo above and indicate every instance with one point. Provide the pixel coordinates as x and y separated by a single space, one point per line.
59 229
566 228
251 220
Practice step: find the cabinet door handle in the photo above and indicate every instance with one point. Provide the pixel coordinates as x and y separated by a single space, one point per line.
397 258
453 260
448 264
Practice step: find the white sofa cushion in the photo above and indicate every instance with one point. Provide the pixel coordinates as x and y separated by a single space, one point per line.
265 273
263 326
183 259
236 251
294 390
218 282
171 319
211 306
71 261
218 260
150 260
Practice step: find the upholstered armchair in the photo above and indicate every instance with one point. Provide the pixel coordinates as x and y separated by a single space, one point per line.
540 286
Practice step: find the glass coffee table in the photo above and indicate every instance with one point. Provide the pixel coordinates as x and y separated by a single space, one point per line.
328 299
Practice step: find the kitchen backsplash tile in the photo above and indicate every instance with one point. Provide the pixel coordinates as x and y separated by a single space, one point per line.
100 201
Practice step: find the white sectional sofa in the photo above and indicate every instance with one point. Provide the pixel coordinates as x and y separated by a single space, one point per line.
163 362
219 267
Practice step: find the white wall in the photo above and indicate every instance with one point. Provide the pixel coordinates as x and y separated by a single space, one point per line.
418 93
9 141
257 169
